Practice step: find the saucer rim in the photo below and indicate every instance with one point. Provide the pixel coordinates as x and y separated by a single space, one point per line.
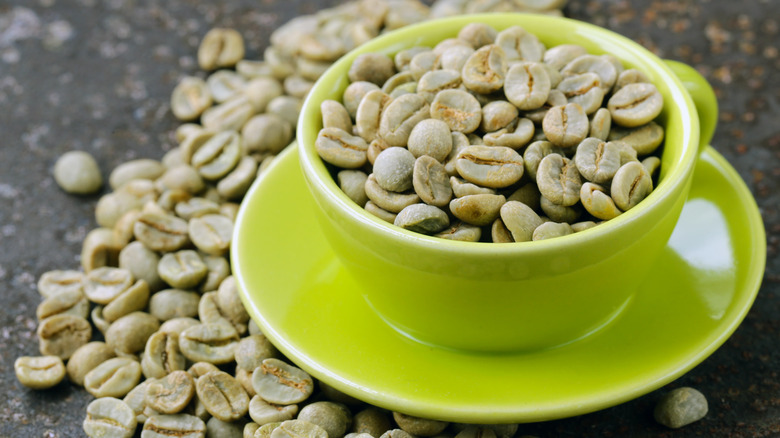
738 310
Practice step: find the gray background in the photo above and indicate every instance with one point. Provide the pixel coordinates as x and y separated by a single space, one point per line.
96 75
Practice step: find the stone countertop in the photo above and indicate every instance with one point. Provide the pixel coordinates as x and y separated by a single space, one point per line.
96 75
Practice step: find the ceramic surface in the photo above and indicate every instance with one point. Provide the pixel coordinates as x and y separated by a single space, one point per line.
302 298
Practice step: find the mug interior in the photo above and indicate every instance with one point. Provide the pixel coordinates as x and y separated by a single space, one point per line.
678 118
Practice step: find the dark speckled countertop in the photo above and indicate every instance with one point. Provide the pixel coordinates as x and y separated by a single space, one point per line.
96 75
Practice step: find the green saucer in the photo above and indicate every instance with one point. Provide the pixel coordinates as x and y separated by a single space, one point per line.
302 299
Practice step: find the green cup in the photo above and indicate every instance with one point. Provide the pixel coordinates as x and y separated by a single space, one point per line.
520 296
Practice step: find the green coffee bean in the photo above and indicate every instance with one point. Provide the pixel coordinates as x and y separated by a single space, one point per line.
499 233
431 182
566 125
485 70
651 164
597 160
179 425
354 94
335 115
520 45
635 105
39 372
161 232
278 382
399 81
130 300
630 76
224 84
190 98
52 283
260 91
237 182
380 212
458 109
298 429
199 369
335 418
182 269
128 334
61 335
497 115
479 210
600 124
141 262
490 166
369 114
177 325
109 416
340 148
173 303
454 58
461 187
216 428
549 230
527 85
393 169
143 168
422 218
97 318
252 350
352 182
396 433
171 393
582 226
244 377
476 432
583 89
218 156
560 213
680 407
516 135
220 47
103 285
371 67
559 180
630 185
264 413
77 172
286 107
592 64
400 116
422 63
419 426
266 133
113 378
219 270
229 115
70 302
462 231
597 202
644 139
387 200
266 430
222 396
214 343
162 357
402 59
85 358
372 421
430 137
520 220
559 56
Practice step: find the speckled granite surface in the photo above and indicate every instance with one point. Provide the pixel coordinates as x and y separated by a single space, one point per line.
96 75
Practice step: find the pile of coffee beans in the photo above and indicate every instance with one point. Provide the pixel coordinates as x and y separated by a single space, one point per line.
491 136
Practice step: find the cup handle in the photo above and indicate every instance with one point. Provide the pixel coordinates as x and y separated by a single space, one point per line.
703 97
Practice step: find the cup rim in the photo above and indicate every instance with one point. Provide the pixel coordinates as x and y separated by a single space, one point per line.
320 180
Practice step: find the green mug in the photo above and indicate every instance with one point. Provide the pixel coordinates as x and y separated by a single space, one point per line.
521 296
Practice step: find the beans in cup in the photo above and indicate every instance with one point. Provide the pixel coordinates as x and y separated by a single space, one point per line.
493 137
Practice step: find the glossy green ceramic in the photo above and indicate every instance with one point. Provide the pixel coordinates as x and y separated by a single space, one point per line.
509 297
305 301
